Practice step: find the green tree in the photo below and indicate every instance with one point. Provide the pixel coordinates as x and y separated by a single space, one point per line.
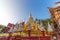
2 27
45 22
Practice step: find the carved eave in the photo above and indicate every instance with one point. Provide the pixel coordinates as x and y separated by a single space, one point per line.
57 2
52 12
57 8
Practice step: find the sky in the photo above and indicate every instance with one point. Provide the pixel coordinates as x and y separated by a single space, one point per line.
12 11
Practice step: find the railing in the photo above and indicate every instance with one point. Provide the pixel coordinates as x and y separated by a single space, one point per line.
26 38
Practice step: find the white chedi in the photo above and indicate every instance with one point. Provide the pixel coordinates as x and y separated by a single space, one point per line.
41 27
49 28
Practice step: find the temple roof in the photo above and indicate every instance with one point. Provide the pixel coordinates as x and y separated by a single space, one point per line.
57 4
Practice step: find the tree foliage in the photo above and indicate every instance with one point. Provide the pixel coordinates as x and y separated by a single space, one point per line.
2 27
45 22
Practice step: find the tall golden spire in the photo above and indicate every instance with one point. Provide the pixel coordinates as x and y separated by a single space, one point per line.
30 18
30 14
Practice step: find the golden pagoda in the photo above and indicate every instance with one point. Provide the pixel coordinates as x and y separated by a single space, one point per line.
31 21
33 25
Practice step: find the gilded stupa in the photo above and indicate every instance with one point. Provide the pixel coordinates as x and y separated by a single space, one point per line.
31 21
33 25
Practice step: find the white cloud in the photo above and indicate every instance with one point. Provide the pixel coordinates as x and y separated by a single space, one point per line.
8 13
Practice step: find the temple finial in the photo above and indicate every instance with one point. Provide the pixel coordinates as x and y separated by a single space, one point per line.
30 14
